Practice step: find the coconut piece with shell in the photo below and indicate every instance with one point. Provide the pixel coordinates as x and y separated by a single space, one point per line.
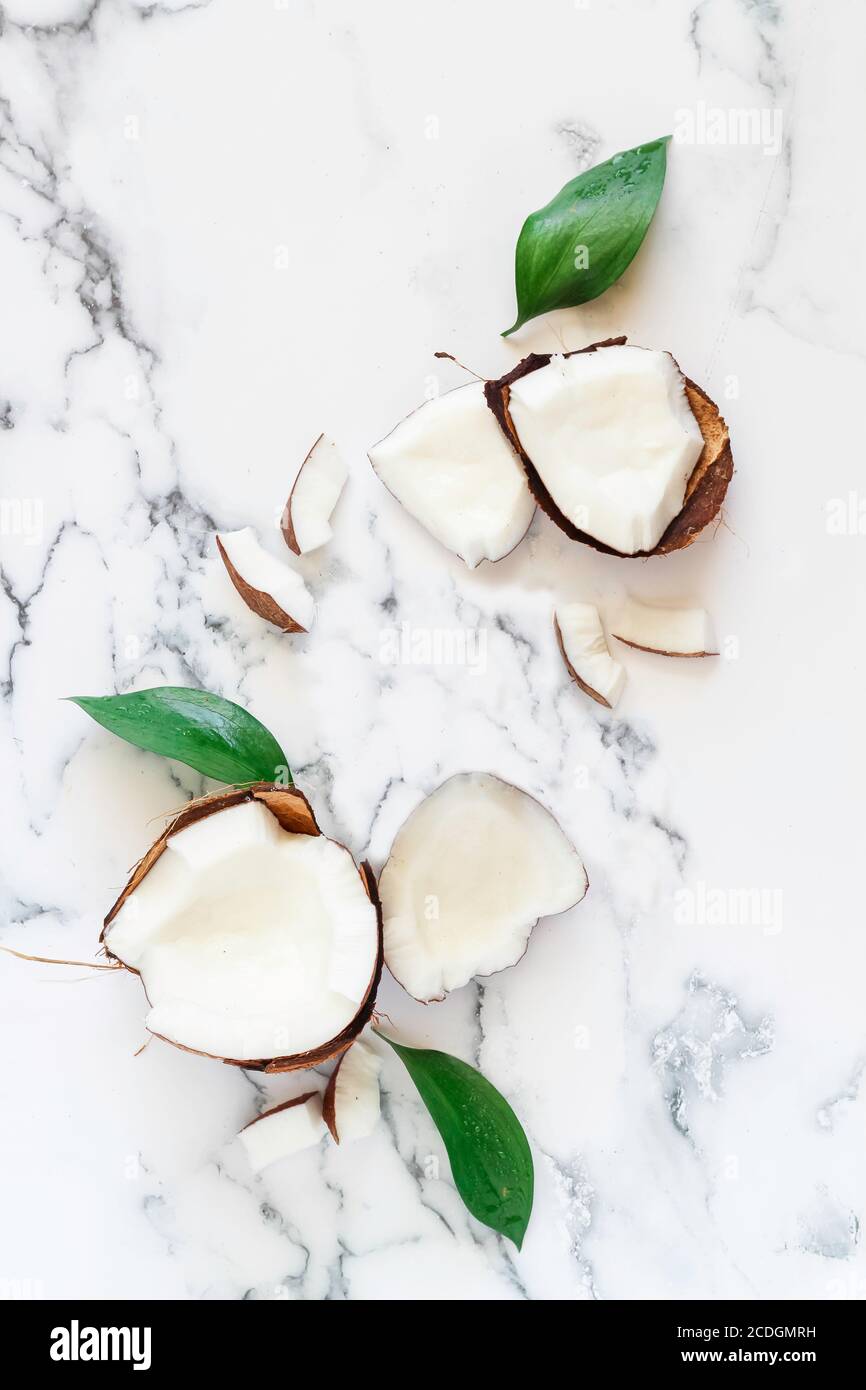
352 1102
666 630
272 590
470 872
315 493
585 652
284 1130
453 470
257 939
620 449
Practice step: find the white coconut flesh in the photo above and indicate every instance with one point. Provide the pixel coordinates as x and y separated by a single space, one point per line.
355 1094
667 630
452 468
470 872
613 439
251 942
259 569
283 1131
315 495
586 651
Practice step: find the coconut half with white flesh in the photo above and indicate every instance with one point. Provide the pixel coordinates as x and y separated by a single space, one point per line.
585 652
272 590
314 495
352 1102
452 468
283 1131
470 872
257 939
666 630
621 450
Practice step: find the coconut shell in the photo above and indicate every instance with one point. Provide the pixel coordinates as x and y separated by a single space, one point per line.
587 689
264 604
295 815
706 488
287 526
660 651
329 1100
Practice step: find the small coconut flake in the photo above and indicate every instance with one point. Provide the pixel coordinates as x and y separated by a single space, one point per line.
665 630
452 468
471 871
285 1130
315 494
272 590
352 1102
585 652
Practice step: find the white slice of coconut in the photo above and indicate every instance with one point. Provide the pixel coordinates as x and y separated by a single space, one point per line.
251 942
613 439
453 469
271 589
585 651
668 631
470 873
352 1102
285 1130
315 494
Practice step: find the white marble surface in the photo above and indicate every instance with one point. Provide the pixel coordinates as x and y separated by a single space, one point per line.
225 227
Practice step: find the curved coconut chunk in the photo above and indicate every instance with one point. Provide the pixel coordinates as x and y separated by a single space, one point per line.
585 651
251 941
271 589
453 469
352 1101
315 494
612 436
283 1131
668 631
470 873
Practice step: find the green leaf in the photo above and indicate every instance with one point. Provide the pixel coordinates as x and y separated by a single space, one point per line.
575 248
202 730
488 1151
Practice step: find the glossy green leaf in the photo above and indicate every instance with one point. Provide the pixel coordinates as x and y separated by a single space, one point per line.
202 730
574 249
487 1148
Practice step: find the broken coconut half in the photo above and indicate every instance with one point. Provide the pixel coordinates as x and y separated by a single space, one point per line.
257 939
284 1130
315 493
585 652
621 450
352 1103
452 468
471 871
272 590
668 631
